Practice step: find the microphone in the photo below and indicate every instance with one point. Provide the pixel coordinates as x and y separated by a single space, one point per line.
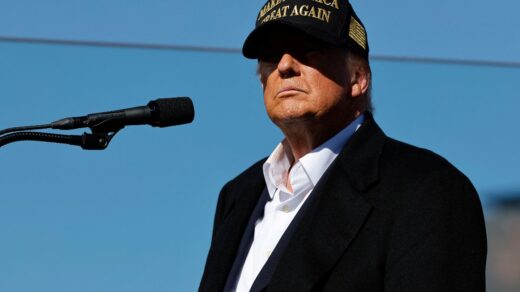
162 112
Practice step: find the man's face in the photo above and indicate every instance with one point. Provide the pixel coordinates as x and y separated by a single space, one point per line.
304 80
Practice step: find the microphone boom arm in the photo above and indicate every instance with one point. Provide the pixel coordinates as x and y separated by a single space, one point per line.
96 141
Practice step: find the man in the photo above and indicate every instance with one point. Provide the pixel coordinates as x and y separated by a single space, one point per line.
338 205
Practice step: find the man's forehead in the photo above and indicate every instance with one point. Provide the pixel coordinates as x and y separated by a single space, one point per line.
287 38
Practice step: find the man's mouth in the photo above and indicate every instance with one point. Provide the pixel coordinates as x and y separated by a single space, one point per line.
290 90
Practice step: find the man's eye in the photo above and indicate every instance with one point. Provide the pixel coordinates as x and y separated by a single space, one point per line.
270 57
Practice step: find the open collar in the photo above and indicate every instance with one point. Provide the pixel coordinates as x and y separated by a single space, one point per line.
336 212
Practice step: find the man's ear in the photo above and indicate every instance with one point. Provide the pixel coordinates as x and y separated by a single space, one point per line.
359 80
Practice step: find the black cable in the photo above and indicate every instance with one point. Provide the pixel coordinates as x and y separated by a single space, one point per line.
408 59
18 129
432 60
87 43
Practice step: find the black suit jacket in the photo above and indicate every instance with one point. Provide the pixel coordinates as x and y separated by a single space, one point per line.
386 216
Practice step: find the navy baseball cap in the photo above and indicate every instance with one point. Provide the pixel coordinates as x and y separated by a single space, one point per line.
332 21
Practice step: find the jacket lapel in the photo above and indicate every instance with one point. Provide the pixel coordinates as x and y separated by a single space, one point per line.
334 215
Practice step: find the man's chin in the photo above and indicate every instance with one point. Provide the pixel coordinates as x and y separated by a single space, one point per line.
293 119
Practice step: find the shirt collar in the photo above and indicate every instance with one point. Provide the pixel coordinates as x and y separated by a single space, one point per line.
315 163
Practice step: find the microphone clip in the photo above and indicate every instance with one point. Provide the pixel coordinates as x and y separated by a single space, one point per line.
96 140
102 134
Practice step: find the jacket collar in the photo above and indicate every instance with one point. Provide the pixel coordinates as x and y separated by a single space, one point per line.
335 213
360 157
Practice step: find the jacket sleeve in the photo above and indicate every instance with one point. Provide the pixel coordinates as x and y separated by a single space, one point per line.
438 241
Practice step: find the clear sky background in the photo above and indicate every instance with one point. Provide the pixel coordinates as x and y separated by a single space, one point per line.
138 216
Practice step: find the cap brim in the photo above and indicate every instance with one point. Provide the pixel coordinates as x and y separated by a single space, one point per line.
255 40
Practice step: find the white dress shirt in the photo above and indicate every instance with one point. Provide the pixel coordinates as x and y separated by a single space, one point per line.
284 204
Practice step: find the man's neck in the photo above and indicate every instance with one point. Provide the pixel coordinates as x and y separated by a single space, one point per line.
303 136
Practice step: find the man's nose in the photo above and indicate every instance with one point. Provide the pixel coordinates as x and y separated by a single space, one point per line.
288 66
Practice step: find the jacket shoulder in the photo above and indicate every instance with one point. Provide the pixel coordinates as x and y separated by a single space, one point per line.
250 180
413 161
253 174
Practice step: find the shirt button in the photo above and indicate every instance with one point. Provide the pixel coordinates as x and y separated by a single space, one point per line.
268 253
285 209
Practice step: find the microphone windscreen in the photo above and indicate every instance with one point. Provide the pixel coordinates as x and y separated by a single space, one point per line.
172 111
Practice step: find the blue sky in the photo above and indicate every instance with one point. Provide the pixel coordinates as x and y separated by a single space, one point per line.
475 29
138 216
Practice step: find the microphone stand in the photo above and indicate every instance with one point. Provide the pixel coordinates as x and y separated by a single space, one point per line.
101 136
